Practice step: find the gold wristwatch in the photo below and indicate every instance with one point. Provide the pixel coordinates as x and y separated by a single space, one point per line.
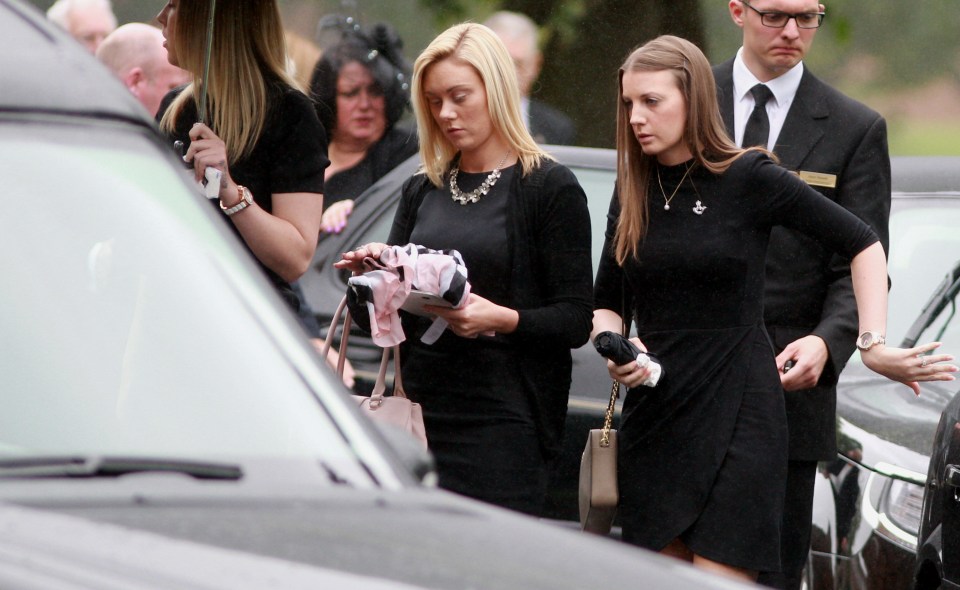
246 199
868 340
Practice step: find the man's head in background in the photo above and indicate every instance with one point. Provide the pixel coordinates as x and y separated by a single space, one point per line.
521 36
135 54
87 21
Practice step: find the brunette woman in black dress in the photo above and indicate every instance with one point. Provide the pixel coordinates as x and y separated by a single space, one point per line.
494 387
703 454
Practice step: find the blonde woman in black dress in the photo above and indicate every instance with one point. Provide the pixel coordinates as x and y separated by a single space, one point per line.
703 454
494 387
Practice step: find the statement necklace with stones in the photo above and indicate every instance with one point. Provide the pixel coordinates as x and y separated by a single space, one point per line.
474 195
666 199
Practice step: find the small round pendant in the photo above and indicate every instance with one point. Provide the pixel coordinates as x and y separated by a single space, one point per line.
666 207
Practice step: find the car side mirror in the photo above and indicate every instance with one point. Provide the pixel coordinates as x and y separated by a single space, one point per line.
418 461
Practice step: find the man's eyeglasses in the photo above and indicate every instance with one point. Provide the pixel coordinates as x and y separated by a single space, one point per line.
778 20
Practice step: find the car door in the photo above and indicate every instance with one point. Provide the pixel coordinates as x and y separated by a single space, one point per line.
951 503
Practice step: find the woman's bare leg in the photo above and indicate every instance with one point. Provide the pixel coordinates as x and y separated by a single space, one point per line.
676 548
723 569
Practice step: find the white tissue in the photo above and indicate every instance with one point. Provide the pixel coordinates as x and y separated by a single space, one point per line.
655 370
211 184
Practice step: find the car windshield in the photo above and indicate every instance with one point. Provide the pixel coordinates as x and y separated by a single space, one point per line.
925 246
128 326
924 249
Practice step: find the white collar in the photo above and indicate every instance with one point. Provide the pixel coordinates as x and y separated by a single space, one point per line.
784 87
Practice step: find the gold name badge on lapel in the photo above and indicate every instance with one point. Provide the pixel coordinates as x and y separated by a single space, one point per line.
818 178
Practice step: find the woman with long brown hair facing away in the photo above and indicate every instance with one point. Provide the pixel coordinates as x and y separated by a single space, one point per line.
262 132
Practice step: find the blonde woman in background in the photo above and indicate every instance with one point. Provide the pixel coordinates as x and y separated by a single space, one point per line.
262 132
302 57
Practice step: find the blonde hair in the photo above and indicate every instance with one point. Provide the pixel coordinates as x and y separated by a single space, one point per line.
704 132
248 53
302 56
479 47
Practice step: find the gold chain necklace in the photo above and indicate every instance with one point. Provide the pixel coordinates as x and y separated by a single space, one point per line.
666 199
474 195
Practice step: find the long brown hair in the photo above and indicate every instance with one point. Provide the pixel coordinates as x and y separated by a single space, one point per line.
704 132
248 49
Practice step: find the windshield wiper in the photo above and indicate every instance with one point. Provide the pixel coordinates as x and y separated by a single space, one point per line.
99 466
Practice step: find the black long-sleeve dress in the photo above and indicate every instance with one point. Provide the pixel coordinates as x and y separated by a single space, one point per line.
703 456
494 406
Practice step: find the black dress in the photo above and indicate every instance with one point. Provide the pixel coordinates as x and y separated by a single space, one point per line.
494 405
703 456
394 147
289 157
470 388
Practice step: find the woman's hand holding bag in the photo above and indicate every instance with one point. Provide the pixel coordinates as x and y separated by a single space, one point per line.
396 410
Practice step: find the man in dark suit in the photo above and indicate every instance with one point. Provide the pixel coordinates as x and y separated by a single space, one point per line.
519 33
839 146
548 125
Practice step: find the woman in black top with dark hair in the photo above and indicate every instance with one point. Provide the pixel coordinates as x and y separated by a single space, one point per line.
361 86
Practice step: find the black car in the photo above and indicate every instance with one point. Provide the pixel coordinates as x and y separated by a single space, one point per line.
867 502
938 557
166 422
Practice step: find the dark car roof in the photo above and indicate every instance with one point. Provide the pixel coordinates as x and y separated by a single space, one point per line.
43 69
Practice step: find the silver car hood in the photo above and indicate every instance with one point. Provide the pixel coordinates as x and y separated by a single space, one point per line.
421 538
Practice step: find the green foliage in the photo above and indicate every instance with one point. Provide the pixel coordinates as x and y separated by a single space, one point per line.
842 30
929 138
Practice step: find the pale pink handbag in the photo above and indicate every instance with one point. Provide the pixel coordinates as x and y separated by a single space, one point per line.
396 410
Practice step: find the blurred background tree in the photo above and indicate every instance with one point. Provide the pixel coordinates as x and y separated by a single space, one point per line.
901 58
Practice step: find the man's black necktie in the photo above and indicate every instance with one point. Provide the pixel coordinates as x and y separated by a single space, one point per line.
757 131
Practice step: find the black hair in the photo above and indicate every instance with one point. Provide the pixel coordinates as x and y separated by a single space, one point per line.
377 48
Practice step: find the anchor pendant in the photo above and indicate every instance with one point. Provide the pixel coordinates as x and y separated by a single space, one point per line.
699 209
